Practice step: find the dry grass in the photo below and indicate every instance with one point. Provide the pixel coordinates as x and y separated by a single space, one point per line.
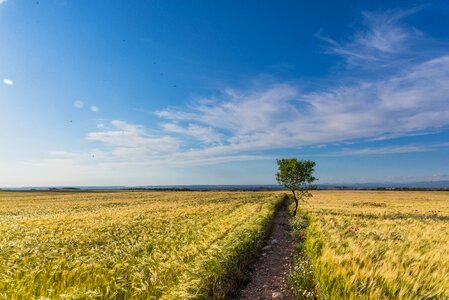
379 245
128 245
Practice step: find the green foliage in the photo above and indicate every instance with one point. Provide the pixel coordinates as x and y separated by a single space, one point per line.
296 175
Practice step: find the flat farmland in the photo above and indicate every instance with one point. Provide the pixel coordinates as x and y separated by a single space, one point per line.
197 245
378 244
129 245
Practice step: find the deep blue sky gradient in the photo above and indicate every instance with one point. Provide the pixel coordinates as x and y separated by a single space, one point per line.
148 64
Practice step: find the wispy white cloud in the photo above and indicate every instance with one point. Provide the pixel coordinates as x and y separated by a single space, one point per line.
413 148
381 37
204 134
78 104
7 81
250 119
132 142
129 144
414 133
2 1
281 116
94 108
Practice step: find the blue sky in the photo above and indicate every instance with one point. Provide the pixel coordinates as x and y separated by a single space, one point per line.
201 92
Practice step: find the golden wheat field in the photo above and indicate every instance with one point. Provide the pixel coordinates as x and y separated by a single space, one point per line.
379 244
128 245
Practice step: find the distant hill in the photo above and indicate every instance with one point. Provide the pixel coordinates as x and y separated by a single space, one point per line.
443 184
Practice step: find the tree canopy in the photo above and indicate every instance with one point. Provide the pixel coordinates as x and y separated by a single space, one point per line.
296 175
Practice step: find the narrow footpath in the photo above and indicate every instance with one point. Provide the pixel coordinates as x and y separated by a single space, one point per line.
268 273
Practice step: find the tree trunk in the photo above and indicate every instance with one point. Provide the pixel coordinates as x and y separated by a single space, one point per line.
296 203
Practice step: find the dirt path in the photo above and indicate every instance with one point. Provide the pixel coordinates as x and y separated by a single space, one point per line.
269 271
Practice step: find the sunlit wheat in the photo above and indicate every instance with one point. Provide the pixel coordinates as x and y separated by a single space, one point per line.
379 245
128 245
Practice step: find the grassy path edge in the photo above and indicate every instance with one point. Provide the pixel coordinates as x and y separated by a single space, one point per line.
301 278
230 271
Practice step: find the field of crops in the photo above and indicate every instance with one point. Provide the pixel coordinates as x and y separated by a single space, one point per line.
128 245
378 245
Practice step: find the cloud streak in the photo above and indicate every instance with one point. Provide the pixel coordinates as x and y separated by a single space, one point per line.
204 134
413 148
132 142
7 81
382 40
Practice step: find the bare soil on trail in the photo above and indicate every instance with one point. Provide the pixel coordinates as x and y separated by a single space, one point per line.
268 273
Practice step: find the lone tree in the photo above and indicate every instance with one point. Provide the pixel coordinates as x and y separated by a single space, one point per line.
296 175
